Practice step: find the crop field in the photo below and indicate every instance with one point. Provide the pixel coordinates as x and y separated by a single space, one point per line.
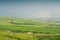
24 29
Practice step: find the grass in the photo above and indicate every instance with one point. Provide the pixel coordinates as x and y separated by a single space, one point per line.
17 29
5 35
27 29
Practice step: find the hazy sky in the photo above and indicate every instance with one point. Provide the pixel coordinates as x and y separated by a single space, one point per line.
30 9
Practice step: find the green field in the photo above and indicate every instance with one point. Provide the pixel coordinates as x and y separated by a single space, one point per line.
25 29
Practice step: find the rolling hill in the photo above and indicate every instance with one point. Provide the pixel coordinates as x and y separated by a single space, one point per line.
24 29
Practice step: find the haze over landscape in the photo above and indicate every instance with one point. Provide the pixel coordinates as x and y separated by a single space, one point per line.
29 20
30 9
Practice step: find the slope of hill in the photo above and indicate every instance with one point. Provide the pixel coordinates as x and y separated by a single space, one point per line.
19 28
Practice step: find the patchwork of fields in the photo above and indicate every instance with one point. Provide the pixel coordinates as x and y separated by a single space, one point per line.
24 29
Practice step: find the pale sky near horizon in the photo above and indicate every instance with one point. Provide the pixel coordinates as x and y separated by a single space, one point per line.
30 9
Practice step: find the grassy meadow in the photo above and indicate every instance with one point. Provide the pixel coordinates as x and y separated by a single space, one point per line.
24 29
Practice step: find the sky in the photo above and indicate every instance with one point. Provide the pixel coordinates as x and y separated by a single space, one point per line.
30 9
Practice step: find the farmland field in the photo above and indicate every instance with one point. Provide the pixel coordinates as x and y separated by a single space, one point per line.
24 29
